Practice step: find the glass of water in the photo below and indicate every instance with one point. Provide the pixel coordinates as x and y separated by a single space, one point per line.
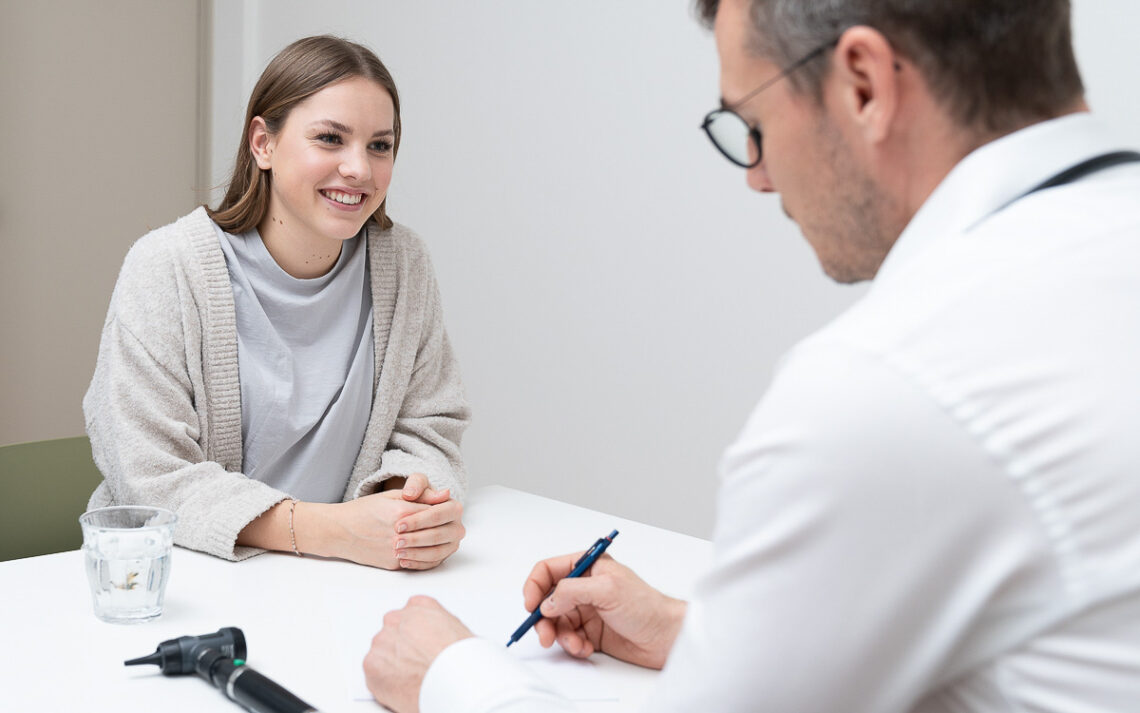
127 550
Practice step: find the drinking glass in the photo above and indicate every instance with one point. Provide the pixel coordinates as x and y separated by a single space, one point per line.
127 550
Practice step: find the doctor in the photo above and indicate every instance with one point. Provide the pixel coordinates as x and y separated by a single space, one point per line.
936 506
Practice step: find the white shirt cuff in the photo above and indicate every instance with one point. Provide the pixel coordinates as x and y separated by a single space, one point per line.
477 676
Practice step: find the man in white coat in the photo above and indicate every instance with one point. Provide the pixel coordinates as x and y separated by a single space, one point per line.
936 506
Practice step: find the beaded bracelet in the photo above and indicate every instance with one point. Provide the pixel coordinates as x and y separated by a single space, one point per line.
292 534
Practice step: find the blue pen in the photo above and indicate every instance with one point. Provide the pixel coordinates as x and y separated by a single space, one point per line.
584 563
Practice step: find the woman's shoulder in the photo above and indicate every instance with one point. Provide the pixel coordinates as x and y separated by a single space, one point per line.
398 245
162 284
168 263
173 246
399 236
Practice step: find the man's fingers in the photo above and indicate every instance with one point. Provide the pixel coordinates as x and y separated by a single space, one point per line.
543 577
424 601
546 631
572 593
392 618
571 639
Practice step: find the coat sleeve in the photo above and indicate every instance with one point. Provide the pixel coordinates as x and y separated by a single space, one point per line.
867 551
476 676
142 419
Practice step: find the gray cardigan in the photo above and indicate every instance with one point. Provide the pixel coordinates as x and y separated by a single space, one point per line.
164 407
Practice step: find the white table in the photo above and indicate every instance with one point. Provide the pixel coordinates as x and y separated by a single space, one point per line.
56 656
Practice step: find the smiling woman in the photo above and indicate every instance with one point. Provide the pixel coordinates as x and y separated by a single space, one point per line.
276 370
327 176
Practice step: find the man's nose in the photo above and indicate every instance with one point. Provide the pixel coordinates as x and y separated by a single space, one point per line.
758 179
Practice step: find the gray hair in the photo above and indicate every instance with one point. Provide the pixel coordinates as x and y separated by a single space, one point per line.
993 64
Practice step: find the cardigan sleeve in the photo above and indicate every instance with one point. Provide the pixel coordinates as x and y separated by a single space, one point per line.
146 434
433 413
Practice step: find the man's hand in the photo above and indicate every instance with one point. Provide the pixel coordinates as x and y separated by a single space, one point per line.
405 648
610 609
425 538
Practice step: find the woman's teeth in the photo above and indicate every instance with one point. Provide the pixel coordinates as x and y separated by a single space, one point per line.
346 198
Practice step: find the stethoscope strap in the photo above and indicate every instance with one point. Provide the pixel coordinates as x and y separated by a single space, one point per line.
1084 168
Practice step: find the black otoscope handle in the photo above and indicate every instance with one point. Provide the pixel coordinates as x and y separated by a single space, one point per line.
242 684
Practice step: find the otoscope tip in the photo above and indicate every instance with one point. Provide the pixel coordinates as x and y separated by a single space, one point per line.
155 658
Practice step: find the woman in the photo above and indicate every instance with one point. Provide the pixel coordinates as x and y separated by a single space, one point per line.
276 371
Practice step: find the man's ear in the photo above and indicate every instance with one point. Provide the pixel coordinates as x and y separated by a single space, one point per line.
261 143
864 76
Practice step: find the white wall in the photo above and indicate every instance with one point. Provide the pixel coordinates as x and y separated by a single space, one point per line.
616 295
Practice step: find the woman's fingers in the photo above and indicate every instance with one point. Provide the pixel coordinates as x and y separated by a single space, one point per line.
438 553
433 516
414 486
412 564
417 489
451 532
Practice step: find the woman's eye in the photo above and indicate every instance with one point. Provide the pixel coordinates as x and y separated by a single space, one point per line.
328 138
381 146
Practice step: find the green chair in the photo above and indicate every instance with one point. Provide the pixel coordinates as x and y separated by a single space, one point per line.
44 487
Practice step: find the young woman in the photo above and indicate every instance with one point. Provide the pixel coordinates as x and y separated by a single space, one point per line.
276 371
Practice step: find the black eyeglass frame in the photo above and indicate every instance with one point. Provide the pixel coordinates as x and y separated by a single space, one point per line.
754 132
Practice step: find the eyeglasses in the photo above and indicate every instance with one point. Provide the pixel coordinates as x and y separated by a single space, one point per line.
732 135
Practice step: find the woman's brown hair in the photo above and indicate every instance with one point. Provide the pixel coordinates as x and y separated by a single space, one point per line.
297 72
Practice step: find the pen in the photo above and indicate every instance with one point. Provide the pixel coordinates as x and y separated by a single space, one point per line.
584 563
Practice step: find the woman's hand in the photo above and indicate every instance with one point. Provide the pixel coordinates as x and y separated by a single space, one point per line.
416 488
416 527
425 538
610 609
361 530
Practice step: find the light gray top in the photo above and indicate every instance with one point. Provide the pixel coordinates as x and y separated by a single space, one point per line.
164 407
305 357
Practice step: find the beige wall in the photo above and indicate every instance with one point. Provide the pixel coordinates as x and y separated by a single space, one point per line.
99 142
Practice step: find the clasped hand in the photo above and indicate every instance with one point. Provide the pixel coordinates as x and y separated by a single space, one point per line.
416 527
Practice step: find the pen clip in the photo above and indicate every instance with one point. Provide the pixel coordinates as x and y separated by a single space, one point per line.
587 553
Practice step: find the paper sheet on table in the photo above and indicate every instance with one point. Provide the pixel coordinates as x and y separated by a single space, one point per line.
489 614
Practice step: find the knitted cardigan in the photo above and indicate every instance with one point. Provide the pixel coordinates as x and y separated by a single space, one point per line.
164 407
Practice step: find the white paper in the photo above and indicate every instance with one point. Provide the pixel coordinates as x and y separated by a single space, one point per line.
491 614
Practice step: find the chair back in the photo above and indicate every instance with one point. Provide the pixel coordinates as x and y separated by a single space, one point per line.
44 488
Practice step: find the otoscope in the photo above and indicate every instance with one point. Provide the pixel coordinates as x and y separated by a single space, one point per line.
220 659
